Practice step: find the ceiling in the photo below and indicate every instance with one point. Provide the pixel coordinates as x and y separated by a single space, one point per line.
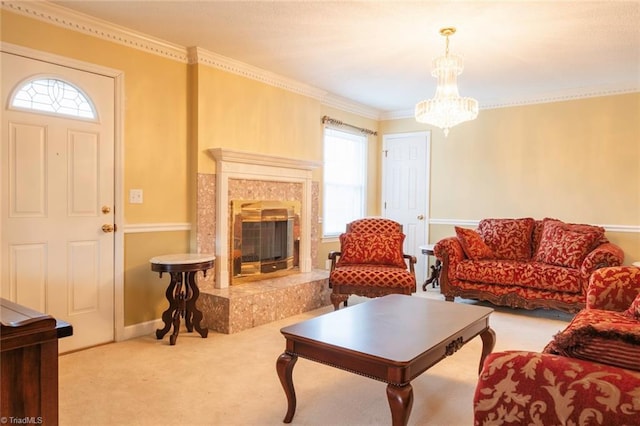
378 53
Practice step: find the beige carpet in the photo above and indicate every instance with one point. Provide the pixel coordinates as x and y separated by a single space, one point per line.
231 379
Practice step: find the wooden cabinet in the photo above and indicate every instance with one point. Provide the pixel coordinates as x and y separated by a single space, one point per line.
29 365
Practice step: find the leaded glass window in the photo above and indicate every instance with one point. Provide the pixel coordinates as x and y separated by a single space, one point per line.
54 96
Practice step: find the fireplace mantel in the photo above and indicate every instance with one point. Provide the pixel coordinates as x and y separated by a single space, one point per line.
243 165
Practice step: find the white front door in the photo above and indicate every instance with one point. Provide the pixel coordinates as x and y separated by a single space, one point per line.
405 185
57 193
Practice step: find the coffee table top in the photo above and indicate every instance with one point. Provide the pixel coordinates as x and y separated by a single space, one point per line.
397 328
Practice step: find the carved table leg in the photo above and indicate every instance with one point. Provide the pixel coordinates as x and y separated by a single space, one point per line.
400 401
488 342
193 316
179 296
173 305
284 367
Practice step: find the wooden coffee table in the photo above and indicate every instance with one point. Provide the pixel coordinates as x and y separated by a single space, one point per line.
385 339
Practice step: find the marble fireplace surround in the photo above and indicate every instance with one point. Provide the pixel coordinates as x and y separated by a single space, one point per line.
231 308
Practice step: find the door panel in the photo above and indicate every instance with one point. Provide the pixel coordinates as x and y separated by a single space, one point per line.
405 190
57 174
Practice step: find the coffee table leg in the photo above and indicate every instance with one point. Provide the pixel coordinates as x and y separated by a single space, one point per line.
400 401
488 342
284 367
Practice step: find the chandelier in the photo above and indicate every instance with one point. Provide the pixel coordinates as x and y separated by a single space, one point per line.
447 108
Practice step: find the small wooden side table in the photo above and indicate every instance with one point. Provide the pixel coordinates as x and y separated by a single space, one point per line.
434 279
182 292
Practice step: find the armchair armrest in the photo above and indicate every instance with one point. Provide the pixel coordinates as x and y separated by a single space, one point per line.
534 388
613 288
412 262
607 254
333 257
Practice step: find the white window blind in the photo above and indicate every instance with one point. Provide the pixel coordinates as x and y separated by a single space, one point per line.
345 161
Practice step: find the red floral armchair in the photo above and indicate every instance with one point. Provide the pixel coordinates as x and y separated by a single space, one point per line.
371 262
589 374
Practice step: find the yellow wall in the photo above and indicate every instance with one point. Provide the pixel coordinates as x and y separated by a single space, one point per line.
245 115
578 161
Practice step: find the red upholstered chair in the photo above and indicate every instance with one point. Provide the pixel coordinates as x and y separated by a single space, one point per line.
371 262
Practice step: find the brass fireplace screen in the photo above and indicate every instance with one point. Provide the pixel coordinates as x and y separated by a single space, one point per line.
265 236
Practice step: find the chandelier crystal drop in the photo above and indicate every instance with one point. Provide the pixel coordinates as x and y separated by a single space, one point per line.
447 108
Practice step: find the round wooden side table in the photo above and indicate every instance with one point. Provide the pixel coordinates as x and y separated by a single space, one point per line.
182 292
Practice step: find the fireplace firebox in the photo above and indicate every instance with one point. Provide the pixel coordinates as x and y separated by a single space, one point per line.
264 236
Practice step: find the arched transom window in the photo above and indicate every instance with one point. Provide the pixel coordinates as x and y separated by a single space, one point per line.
54 96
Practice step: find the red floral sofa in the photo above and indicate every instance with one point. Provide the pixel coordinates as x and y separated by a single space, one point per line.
589 374
524 263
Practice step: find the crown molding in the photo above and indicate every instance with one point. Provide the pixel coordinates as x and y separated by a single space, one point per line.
80 22
561 96
197 55
347 105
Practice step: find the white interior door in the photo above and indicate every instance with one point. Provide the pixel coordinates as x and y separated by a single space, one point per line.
57 193
405 186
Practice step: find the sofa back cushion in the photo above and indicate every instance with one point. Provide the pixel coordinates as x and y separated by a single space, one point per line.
508 238
565 244
473 245
371 249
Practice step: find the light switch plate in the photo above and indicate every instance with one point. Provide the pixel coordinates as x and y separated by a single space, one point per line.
135 196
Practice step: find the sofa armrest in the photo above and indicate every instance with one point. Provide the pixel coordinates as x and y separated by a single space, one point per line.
613 288
607 254
543 389
449 251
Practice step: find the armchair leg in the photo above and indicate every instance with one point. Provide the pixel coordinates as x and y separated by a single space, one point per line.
336 299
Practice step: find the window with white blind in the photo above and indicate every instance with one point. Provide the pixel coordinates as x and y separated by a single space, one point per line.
345 177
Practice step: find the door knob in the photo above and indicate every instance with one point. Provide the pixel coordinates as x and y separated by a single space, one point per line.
107 227
420 217
106 209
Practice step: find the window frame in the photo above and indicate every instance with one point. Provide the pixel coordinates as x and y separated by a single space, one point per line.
21 95
328 185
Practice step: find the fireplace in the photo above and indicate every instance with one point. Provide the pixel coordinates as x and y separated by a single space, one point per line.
247 176
264 237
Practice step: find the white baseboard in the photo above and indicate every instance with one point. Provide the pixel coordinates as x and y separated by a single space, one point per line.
142 329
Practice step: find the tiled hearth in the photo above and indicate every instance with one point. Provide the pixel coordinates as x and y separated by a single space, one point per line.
240 307
229 308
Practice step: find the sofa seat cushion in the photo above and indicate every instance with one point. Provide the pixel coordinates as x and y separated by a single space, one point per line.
525 274
527 388
372 275
551 277
509 239
602 336
504 272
